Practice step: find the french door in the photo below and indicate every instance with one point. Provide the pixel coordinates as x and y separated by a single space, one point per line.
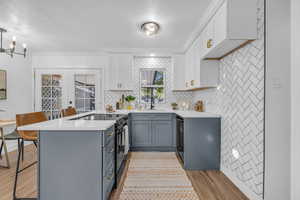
58 89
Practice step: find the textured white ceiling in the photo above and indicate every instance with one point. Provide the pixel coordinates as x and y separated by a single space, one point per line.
93 25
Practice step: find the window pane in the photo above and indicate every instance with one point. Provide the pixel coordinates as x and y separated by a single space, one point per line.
158 94
56 104
79 91
79 104
56 78
90 92
89 104
152 77
46 92
85 92
46 104
146 95
46 80
158 78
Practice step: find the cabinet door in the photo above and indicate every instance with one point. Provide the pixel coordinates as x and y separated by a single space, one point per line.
197 59
162 134
208 37
179 72
189 62
141 133
125 72
113 73
220 25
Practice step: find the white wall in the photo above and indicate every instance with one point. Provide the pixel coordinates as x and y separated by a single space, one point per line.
277 138
295 83
19 89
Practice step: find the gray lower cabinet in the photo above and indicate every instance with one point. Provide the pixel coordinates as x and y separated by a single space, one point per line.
76 164
162 133
202 143
141 133
152 132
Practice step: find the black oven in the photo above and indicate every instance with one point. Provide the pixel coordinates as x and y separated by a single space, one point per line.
180 137
121 129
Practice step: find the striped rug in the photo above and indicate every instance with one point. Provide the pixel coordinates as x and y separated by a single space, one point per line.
156 176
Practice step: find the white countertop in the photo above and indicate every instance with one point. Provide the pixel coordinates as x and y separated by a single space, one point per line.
65 124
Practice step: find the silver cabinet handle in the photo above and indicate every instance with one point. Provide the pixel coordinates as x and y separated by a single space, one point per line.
112 150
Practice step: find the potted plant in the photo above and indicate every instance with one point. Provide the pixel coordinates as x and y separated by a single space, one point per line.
129 99
174 106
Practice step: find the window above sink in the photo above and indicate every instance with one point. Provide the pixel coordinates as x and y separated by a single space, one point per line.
152 84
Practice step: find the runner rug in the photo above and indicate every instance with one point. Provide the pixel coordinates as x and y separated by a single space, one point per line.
156 176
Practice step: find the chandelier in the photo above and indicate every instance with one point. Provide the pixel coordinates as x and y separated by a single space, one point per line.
12 46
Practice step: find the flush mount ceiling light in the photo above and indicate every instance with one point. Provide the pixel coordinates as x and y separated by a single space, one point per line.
12 46
150 28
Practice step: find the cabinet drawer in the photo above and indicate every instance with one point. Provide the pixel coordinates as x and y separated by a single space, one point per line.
151 116
108 135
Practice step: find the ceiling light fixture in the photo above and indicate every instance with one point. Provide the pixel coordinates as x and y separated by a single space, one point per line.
12 46
150 28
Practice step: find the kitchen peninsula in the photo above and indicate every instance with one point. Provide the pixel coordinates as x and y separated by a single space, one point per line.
77 154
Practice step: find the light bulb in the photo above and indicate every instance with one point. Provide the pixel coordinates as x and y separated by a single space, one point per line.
24 45
14 38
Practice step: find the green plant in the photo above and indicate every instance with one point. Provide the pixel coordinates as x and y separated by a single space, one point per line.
174 104
129 98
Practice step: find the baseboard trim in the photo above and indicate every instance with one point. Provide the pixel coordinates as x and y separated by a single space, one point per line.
251 195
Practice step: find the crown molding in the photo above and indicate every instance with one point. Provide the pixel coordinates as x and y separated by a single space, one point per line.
106 51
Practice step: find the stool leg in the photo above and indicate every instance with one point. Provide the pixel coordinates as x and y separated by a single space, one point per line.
23 152
1 149
17 172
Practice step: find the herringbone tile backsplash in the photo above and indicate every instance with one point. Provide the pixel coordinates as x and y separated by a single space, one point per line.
240 101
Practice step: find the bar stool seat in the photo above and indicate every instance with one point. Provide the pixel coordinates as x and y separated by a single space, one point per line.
11 136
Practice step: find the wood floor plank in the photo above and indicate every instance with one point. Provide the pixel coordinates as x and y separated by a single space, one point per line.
209 185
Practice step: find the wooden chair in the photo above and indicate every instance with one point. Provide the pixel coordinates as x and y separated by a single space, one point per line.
68 112
22 120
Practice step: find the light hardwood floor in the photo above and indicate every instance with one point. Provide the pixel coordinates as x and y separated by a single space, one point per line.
209 185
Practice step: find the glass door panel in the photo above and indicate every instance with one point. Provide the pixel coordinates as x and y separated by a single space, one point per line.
56 89
85 90
51 95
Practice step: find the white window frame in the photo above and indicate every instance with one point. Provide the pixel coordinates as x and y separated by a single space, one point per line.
153 86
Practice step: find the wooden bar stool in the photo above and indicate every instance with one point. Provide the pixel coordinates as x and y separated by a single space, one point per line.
68 112
32 136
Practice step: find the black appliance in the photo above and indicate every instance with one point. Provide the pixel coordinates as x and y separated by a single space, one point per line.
180 137
120 135
121 129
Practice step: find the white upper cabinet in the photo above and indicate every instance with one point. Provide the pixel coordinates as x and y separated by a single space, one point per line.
120 72
178 72
234 24
199 73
